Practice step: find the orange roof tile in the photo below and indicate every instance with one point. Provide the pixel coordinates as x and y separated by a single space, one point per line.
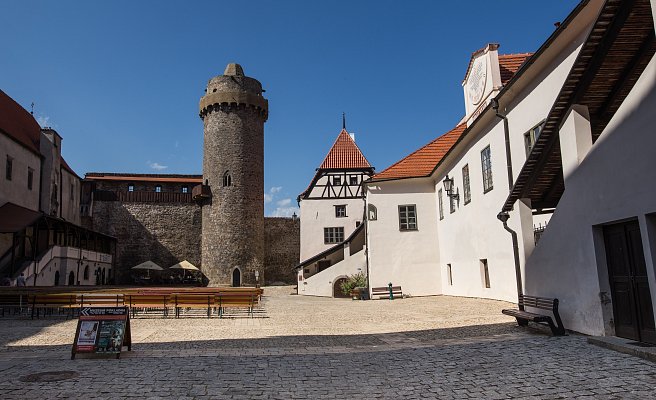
423 161
344 154
509 64
20 125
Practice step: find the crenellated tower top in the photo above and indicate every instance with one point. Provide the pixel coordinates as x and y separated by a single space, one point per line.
233 89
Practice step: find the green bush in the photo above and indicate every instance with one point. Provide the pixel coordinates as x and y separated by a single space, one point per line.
357 280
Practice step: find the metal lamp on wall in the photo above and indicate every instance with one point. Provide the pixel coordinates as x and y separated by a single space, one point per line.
448 188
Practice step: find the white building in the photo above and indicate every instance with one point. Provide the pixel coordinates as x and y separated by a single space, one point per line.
563 136
40 232
332 209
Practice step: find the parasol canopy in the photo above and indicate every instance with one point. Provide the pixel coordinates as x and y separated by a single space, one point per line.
184 265
148 265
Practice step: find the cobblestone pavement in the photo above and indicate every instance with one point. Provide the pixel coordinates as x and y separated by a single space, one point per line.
314 348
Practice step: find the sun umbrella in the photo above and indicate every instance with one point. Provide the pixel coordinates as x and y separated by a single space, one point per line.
184 266
148 266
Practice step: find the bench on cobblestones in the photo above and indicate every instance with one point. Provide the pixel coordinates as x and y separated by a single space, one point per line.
523 317
188 301
147 301
53 302
383 292
100 300
238 299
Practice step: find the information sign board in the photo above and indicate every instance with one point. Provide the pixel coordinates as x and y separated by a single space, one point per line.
102 330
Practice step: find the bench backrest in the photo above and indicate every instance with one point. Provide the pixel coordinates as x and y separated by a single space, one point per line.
385 289
543 303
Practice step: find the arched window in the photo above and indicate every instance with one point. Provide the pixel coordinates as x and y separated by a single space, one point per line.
86 272
372 213
227 179
158 189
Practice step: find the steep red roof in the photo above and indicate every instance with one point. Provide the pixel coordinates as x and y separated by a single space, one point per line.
423 161
344 154
509 64
20 125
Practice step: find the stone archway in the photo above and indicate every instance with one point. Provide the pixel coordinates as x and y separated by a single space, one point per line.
337 288
71 279
56 278
236 277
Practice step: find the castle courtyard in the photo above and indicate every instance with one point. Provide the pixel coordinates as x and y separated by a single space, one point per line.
323 348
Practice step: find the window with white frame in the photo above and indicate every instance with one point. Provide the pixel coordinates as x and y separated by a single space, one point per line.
531 136
466 189
354 180
340 211
185 189
408 217
131 187
441 205
158 189
486 167
333 235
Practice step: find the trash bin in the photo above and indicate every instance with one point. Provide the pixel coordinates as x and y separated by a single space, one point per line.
364 293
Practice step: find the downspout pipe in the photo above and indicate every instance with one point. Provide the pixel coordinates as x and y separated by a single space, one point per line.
506 135
503 217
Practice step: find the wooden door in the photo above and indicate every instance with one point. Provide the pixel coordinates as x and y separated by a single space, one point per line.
337 288
236 277
627 272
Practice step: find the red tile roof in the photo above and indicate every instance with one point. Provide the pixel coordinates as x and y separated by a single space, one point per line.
20 125
344 154
509 64
423 161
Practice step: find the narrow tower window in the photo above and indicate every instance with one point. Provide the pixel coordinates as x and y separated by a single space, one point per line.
227 179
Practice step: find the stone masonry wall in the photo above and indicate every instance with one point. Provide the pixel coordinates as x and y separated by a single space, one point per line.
165 233
282 246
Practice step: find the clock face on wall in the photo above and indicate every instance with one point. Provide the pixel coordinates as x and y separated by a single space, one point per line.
477 79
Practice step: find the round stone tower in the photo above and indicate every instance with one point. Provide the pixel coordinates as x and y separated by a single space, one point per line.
233 111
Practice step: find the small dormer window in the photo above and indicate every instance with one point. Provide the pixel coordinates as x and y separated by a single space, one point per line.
131 187
354 180
337 180
227 179
158 189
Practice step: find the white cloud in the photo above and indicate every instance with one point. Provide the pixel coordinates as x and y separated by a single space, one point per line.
44 121
156 166
284 202
268 198
275 189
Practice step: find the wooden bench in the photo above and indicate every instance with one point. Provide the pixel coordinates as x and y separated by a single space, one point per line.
542 303
194 300
384 292
12 303
51 302
238 299
100 300
148 301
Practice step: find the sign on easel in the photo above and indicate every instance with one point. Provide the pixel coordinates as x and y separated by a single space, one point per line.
102 330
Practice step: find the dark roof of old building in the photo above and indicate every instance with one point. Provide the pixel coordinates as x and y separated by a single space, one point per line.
14 218
344 154
19 124
173 178
422 162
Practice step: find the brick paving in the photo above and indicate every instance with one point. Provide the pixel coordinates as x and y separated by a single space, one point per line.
315 348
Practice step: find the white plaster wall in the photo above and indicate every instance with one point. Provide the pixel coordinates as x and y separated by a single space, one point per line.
614 182
16 191
409 259
70 195
319 214
321 284
473 232
65 260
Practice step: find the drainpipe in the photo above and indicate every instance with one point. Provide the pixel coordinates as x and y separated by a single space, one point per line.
506 135
503 216
365 221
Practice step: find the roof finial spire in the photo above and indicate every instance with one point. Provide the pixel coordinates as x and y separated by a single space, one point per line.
32 111
344 121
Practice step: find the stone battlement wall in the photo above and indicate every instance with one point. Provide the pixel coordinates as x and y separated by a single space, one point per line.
167 233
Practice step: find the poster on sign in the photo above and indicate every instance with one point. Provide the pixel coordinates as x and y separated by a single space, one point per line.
102 330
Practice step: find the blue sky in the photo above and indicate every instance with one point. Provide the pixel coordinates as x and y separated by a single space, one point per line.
121 80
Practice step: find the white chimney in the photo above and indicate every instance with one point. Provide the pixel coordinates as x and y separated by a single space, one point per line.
352 136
